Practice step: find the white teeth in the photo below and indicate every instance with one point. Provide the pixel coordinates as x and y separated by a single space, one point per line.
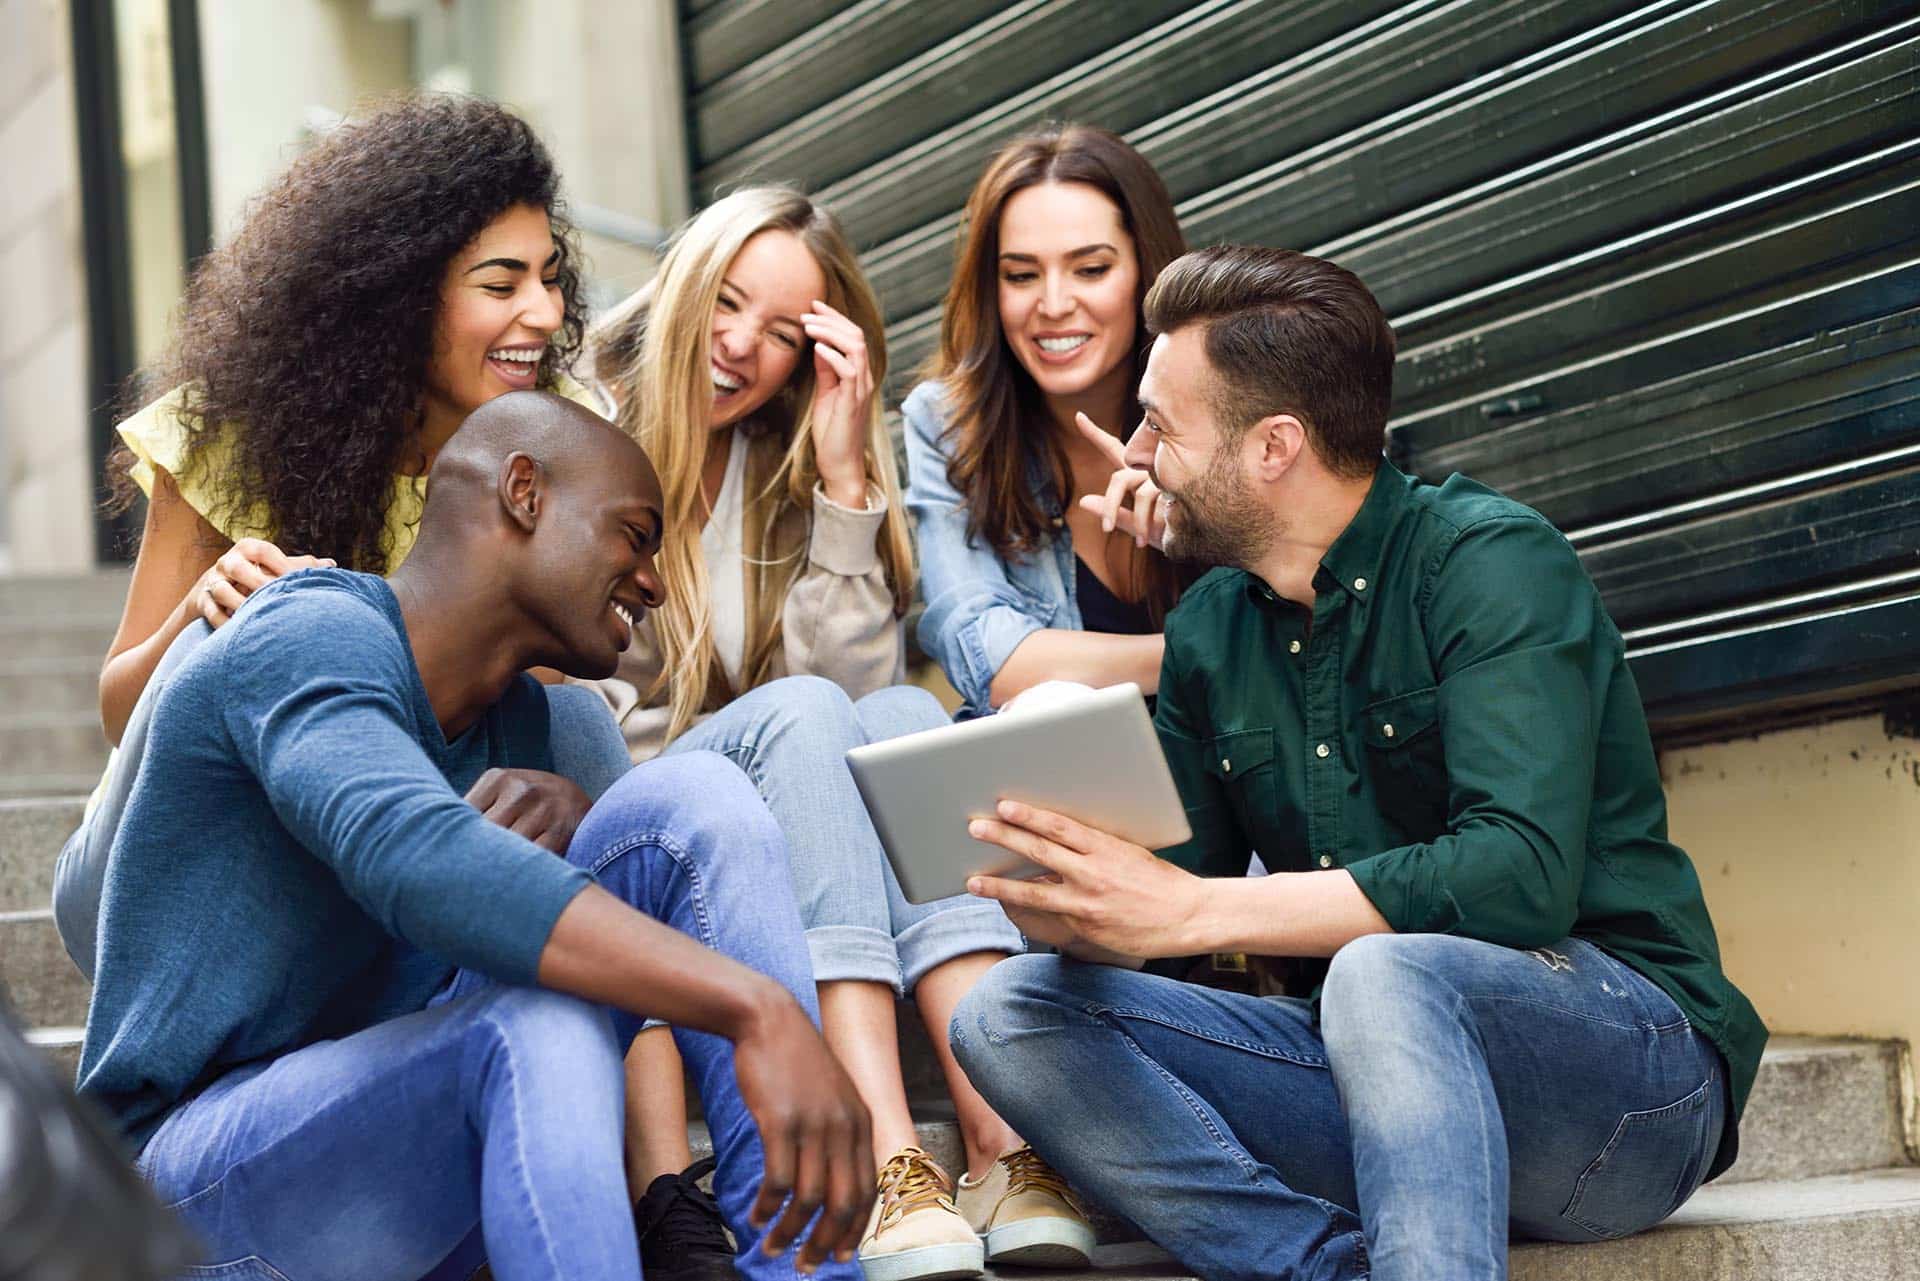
726 381
1065 344
518 355
624 616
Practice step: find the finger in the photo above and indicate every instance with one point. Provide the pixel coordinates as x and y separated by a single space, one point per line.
776 1182
311 562
1027 844
225 595
840 363
1144 500
259 551
1110 445
1115 500
809 1189
861 1172
245 576
210 610
1041 896
1076 836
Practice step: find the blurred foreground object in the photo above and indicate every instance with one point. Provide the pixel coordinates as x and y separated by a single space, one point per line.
71 1209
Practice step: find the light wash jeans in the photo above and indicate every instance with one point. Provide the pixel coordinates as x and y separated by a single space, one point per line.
1453 1093
587 748
791 737
376 1155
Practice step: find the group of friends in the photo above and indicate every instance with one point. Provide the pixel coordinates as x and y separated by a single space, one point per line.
481 702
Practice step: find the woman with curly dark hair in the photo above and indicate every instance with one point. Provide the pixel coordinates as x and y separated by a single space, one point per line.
410 267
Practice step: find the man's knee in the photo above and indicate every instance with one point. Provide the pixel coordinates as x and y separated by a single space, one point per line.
812 703
1013 998
537 1031
1375 982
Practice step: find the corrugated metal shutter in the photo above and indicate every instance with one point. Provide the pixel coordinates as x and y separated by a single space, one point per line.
1655 267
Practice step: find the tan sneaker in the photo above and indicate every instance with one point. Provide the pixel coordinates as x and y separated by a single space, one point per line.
1027 1214
916 1232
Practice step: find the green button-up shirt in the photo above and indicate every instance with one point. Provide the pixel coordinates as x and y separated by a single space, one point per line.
1454 724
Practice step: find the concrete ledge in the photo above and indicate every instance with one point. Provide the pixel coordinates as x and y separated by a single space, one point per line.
37 977
50 685
1821 1106
31 834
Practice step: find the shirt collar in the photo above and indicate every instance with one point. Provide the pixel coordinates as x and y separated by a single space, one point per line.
1354 559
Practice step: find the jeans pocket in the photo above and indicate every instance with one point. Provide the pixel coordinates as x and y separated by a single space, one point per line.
251 1268
1652 1163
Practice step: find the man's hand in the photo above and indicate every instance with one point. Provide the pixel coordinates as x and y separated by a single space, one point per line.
545 808
816 1134
1110 893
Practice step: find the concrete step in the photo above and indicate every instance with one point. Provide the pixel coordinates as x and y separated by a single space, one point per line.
37 977
1821 1106
31 834
55 636
41 787
61 1045
39 744
70 684
101 594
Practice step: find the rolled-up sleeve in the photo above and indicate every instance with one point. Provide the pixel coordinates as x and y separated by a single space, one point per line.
975 616
1513 625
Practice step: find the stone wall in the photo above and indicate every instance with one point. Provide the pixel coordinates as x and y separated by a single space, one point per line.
46 488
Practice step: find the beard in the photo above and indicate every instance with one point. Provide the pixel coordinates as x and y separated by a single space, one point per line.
1218 520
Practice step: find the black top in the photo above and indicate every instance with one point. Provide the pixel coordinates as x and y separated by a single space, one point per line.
1102 611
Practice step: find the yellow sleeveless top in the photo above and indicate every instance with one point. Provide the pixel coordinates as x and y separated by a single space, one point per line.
157 435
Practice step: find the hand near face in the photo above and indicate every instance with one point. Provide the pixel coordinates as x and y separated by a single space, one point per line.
842 397
1133 504
242 570
545 808
1111 893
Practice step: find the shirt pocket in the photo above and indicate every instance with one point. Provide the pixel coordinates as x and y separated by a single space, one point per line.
1243 762
1407 762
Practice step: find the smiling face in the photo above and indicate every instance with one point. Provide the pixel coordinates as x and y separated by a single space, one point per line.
1214 516
599 531
756 341
500 303
1069 287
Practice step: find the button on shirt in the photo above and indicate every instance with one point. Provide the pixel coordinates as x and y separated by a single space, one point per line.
1454 723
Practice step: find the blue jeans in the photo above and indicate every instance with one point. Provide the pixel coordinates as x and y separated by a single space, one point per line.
377 1155
791 737
1452 1092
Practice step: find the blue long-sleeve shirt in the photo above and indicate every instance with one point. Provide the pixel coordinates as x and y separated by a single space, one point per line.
296 861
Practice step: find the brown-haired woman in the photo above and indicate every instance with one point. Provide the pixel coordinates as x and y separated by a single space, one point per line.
1042 327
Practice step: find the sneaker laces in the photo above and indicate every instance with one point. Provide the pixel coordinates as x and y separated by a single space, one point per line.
683 1214
910 1181
1026 1172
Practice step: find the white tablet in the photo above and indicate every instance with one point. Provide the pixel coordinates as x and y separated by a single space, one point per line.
1093 757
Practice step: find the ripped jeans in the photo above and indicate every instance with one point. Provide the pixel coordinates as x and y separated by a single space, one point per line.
1452 1094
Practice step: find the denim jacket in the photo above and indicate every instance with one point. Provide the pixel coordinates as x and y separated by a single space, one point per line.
979 605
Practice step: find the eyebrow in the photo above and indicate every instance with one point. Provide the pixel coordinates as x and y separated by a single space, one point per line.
512 264
1081 252
791 320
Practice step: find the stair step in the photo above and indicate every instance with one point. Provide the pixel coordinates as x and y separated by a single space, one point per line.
42 787
69 684
61 1045
39 744
55 636
37 977
1821 1106
100 594
31 834
1863 1225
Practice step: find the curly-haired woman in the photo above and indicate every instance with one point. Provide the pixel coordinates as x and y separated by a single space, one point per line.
1041 337
411 266
749 368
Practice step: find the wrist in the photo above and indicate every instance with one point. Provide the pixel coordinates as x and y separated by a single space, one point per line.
752 1006
1203 929
847 490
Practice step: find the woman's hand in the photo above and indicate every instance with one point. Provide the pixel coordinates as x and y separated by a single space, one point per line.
1132 504
842 398
242 570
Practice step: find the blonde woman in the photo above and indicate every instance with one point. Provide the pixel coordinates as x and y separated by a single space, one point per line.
748 370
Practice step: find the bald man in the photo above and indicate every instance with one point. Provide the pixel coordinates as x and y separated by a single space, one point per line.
350 1018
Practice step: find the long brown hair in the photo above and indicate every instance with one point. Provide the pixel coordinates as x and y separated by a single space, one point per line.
994 402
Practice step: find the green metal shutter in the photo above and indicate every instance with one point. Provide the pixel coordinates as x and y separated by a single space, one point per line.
1655 267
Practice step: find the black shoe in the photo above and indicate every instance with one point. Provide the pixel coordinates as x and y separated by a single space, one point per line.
681 1235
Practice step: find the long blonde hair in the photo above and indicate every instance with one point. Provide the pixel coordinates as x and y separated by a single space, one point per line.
652 350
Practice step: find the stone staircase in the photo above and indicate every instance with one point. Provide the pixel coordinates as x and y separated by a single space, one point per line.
1824 1188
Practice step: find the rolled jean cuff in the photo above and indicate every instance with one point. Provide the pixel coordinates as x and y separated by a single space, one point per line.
854 953
971 925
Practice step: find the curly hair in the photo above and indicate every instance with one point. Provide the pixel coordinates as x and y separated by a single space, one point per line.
312 330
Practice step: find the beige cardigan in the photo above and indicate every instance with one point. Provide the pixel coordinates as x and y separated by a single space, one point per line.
837 622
